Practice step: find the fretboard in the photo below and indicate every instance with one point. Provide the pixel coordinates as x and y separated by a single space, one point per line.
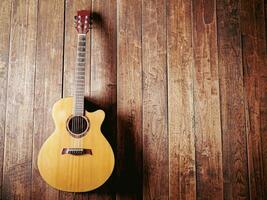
78 108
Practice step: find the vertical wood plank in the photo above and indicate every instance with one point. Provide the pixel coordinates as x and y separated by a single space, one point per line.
20 99
103 77
155 142
5 15
70 50
48 83
129 97
207 102
180 101
255 75
232 101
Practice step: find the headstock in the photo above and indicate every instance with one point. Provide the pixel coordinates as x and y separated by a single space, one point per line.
83 21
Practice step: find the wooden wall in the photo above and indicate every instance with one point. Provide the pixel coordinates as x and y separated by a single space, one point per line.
183 83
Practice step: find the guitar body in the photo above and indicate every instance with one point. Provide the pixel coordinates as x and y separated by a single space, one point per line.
72 172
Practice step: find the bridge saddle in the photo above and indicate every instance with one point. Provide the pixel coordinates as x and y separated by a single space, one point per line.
76 151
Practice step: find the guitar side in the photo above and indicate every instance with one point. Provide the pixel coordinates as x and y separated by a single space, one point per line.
75 173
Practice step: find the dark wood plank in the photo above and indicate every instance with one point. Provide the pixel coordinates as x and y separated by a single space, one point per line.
5 11
103 78
180 101
207 102
155 142
255 73
70 48
232 101
20 100
48 83
129 97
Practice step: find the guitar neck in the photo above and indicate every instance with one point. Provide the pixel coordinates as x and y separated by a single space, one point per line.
78 108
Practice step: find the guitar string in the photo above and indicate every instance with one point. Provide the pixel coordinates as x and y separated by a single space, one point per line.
77 122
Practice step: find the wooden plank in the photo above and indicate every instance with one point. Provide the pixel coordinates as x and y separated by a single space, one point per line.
5 11
155 133
70 50
232 101
48 84
255 73
129 99
207 102
20 99
180 101
103 77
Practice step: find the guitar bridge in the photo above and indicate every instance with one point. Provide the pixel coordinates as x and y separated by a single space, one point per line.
76 151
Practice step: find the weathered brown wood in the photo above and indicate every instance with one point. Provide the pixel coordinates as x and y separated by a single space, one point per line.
210 142
129 100
182 173
207 102
232 101
5 10
70 47
48 84
103 77
255 73
20 100
155 133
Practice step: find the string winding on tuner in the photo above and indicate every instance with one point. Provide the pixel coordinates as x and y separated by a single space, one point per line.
83 21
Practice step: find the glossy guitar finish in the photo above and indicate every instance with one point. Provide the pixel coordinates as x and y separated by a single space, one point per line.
75 173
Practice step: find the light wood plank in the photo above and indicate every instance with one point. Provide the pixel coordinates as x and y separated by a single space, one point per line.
20 99
5 15
182 173
155 133
129 99
48 83
207 102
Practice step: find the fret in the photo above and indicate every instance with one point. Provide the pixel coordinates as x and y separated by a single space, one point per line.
82 49
81 55
80 72
80 60
82 43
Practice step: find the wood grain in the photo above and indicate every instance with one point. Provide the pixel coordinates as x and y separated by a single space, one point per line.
5 15
70 44
207 102
155 133
232 101
182 180
48 83
129 100
255 73
183 84
20 99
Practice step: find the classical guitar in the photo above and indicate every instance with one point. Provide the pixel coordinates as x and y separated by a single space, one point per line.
76 157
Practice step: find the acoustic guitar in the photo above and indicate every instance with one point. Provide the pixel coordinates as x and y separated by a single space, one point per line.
76 157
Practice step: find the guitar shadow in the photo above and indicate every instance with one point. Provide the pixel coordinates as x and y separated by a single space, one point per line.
126 178
119 130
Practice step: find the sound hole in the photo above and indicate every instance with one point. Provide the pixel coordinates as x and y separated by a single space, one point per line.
78 125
